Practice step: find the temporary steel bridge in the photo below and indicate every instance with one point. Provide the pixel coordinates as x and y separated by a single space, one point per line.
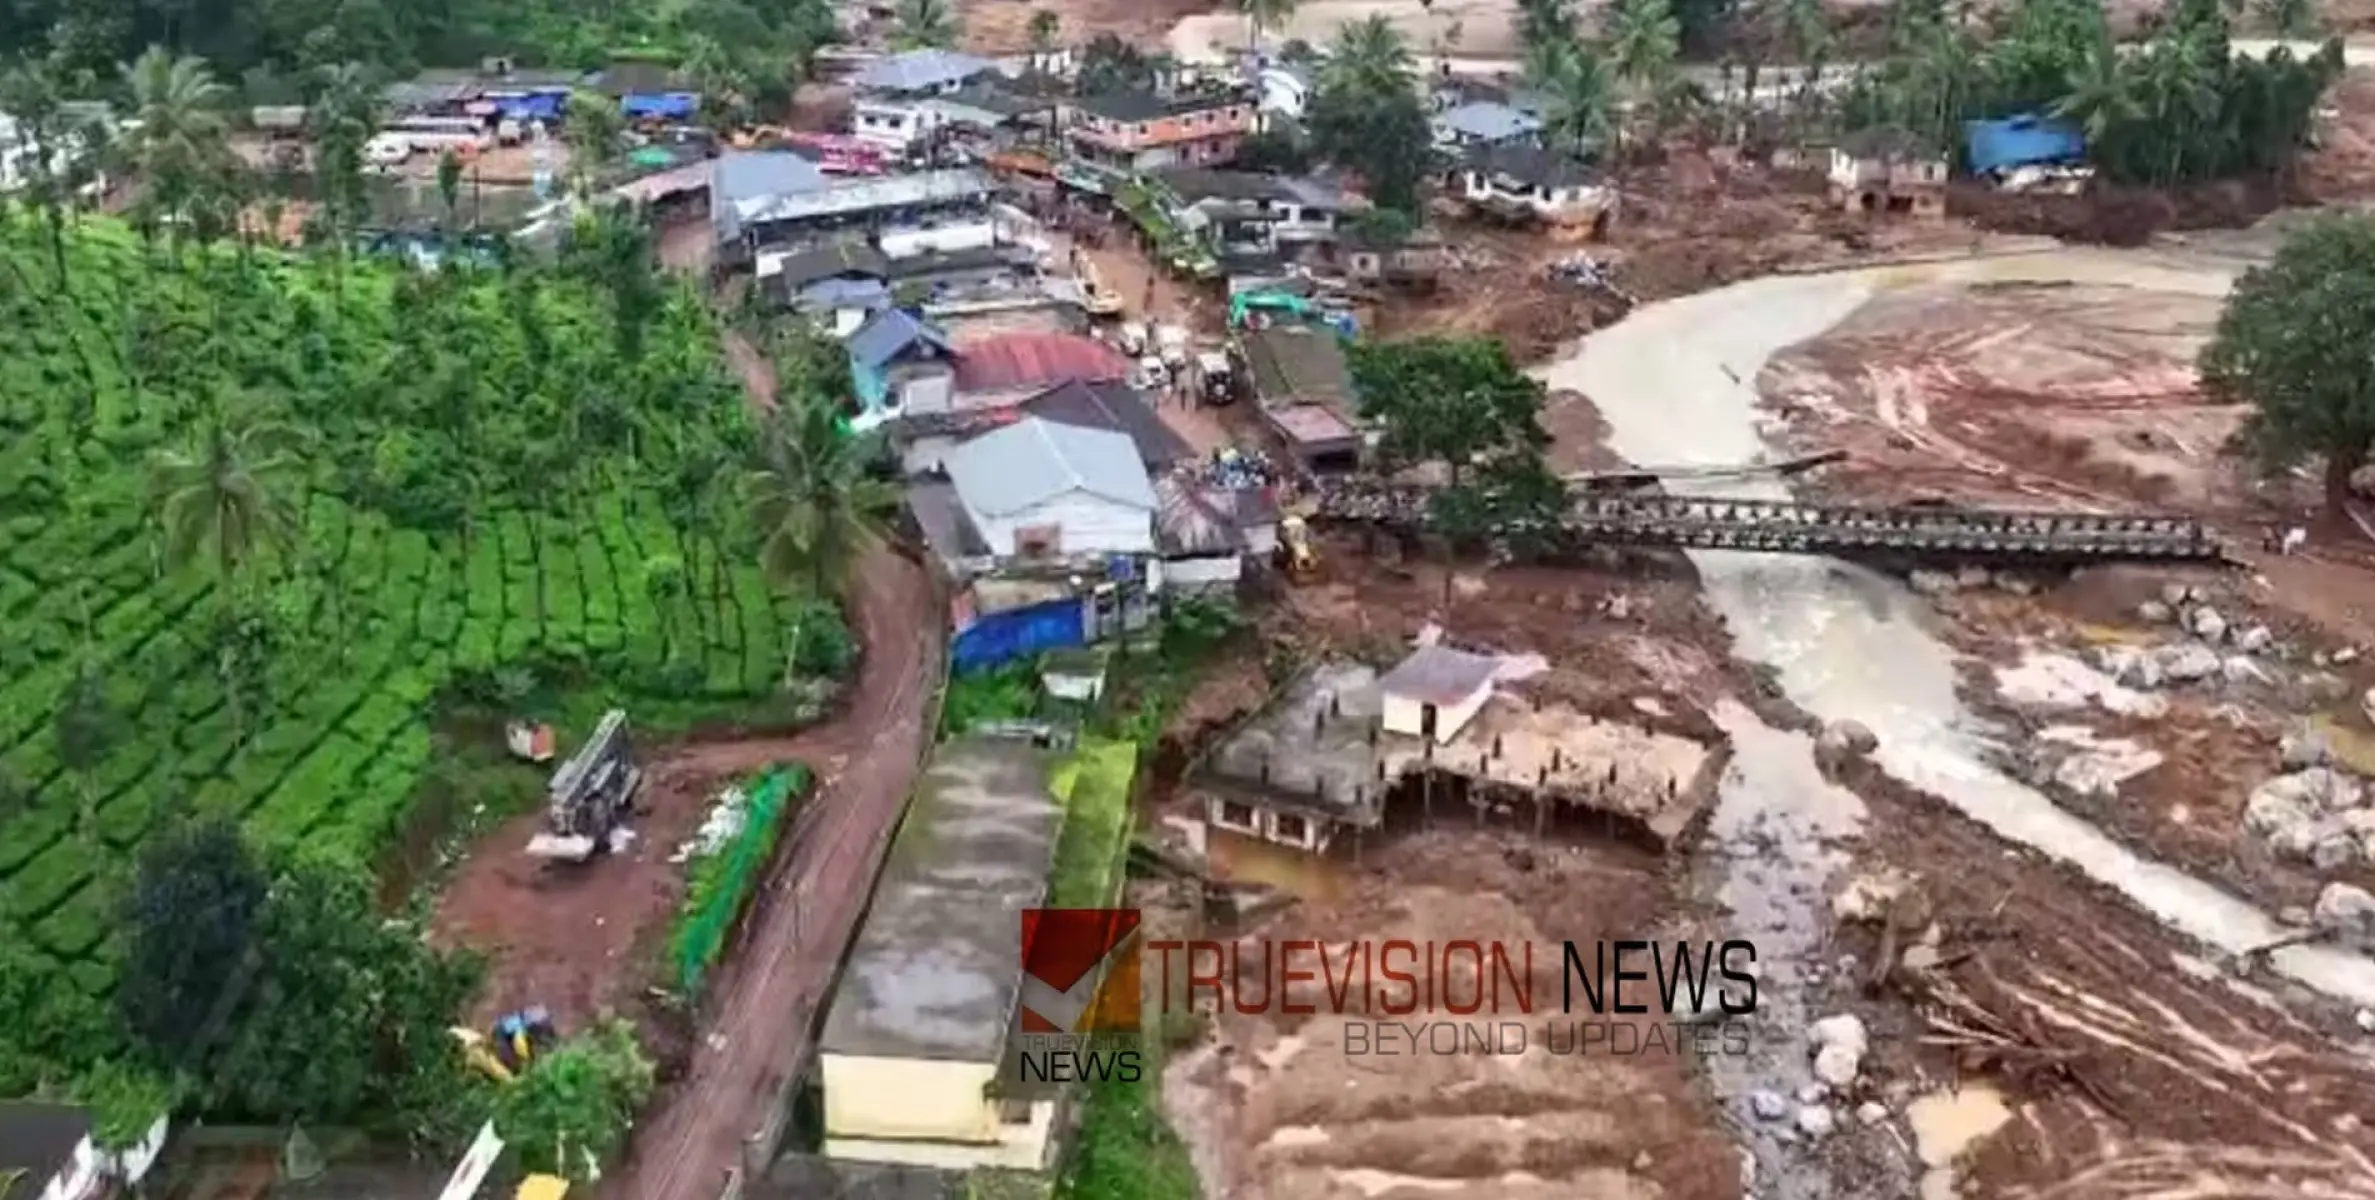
1838 530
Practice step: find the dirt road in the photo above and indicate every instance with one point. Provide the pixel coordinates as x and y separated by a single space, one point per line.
754 1033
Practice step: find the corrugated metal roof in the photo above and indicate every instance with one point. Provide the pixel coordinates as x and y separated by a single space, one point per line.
916 70
841 197
888 333
1030 462
1116 406
1488 121
762 175
1019 360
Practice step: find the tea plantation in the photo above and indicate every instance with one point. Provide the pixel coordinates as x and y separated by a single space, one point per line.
495 482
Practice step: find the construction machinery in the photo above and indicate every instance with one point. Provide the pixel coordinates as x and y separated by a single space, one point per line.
591 795
1295 550
542 1187
516 1041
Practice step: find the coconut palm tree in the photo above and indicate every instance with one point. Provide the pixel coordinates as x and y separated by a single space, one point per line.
591 128
1582 94
1263 14
924 23
178 139
1644 40
809 494
227 495
1044 31
1369 57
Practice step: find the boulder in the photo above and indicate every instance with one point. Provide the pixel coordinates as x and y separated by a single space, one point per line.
2254 639
2175 594
1814 1120
2015 585
2345 656
2187 662
2155 612
2130 666
2242 672
1871 1112
1839 1045
1972 577
1930 583
2346 910
2334 849
1768 1106
2207 624
2302 747
1845 738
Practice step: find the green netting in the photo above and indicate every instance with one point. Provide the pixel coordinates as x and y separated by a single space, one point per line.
721 883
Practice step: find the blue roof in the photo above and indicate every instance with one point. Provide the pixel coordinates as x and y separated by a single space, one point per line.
659 105
1490 122
846 293
737 181
2021 141
534 106
917 70
888 334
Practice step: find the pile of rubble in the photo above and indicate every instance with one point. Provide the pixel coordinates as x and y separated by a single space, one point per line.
2315 812
2208 632
1838 1045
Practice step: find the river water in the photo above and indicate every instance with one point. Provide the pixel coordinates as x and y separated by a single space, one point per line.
1675 382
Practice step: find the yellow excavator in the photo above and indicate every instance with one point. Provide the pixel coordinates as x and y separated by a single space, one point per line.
542 1187
1295 551
517 1040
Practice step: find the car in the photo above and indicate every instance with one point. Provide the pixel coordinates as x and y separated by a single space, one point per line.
387 150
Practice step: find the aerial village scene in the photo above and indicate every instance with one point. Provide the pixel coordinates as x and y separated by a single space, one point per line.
578 579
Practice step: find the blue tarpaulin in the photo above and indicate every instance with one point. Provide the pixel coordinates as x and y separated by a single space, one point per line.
2022 141
535 106
1017 633
660 106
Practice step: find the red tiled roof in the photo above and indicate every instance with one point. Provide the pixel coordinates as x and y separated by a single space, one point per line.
1036 360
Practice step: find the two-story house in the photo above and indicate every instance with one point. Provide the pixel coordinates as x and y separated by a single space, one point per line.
890 110
1888 170
1145 131
1532 183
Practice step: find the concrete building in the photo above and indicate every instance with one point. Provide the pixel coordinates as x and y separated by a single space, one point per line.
1325 757
1436 692
1146 131
920 73
917 1031
1038 491
898 360
925 442
1484 123
1519 182
1207 535
778 199
1887 171
1300 378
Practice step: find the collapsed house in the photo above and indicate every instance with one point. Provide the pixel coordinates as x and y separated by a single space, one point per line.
1340 741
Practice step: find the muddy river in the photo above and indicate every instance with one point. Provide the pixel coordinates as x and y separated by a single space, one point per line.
1676 383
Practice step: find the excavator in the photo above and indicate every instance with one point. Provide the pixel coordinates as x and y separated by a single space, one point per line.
515 1043
591 795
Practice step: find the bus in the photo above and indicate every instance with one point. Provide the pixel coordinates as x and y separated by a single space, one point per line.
435 135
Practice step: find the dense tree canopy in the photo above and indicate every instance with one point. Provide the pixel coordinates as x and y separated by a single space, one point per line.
267 46
2182 106
1461 402
1368 115
2293 342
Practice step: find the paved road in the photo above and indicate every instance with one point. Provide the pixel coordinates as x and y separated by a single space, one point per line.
765 996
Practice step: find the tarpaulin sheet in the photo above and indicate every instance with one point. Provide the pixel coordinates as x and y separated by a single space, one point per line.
660 106
540 106
1017 633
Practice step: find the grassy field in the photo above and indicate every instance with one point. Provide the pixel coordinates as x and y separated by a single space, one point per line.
500 499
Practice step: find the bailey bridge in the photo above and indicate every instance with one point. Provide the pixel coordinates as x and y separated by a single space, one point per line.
1839 530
